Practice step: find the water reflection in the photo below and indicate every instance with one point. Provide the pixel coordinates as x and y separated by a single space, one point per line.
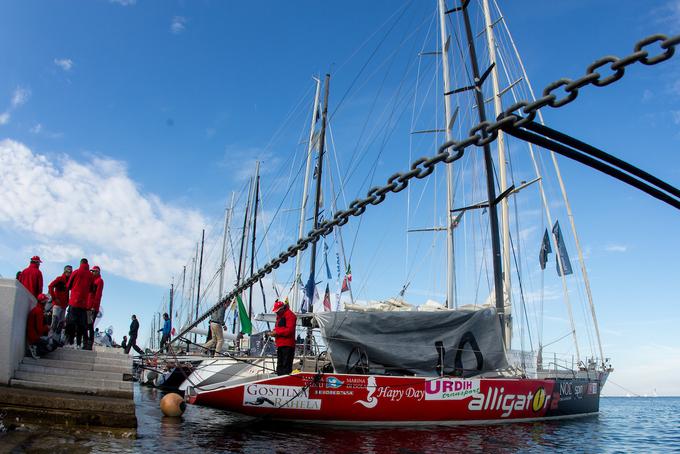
624 425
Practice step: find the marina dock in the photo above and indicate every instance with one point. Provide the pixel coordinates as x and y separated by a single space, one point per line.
65 387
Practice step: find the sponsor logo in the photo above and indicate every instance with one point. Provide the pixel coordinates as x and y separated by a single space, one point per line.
333 382
371 401
273 396
592 388
334 392
450 389
496 399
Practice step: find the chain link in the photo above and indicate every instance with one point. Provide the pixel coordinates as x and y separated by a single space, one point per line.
480 135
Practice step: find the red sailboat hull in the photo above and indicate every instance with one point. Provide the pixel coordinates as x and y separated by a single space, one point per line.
360 399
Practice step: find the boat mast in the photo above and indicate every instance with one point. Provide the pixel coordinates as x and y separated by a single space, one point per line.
317 201
450 264
223 262
200 272
490 185
237 324
500 143
303 205
256 198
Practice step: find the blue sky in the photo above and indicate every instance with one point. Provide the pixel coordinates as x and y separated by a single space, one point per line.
142 116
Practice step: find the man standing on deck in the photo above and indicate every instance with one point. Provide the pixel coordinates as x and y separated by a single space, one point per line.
94 299
59 291
132 343
32 277
167 327
79 284
216 324
284 332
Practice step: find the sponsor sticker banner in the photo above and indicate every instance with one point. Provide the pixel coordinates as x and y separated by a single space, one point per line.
273 396
450 389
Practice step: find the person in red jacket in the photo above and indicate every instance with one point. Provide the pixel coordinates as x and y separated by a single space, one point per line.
284 332
59 291
32 277
94 299
37 329
79 284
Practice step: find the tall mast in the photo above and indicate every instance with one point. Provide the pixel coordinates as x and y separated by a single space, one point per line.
256 198
450 264
500 143
240 256
223 260
172 298
490 185
303 205
317 201
200 271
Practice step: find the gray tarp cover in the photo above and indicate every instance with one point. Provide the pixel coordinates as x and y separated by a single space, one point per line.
405 341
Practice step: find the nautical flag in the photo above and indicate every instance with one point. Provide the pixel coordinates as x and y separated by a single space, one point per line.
346 281
246 325
545 250
327 299
325 259
456 220
562 251
311 296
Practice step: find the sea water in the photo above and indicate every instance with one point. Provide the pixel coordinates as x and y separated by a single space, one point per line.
639 425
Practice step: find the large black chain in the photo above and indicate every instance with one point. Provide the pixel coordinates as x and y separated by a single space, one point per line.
481 134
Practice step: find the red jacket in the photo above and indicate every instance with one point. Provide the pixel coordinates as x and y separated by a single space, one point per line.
32 279
35 325
94 298
59 291
285 328
80 284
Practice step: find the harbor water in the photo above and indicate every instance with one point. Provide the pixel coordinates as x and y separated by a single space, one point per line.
623 425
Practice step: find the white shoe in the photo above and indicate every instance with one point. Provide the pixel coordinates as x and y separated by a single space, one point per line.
34 352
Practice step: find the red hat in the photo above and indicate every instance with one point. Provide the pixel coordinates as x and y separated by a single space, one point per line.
95 268
278 305
35 258
42 298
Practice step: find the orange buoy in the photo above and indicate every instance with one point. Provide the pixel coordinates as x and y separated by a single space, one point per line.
173 405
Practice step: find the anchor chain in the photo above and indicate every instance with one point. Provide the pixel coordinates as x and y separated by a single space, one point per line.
516 115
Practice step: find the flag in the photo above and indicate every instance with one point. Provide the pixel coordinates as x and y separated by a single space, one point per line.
310 297
562 251
246 325
325 259
346 281
327 299
545 250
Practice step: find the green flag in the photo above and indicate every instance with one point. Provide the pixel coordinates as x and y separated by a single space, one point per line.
246 326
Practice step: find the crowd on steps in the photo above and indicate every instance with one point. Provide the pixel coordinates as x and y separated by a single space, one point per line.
64 316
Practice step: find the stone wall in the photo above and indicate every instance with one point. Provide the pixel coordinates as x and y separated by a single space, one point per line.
15 303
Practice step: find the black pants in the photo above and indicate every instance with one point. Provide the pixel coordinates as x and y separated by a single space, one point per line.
78 322
164 342
284 360
132 343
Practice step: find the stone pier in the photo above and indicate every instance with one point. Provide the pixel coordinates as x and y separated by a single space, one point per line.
66 387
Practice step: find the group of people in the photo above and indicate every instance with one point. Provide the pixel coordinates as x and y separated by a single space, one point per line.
71 306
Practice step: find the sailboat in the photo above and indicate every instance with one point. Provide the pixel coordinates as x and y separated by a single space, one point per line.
448 366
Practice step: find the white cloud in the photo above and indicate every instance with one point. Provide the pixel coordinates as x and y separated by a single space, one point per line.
178 24
36 129
124 2
64 63
20 96
647 95
71 209
4 118
616 248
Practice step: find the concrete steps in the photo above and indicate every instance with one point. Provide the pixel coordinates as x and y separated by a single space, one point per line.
75 365
76 374
88 356
72 388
